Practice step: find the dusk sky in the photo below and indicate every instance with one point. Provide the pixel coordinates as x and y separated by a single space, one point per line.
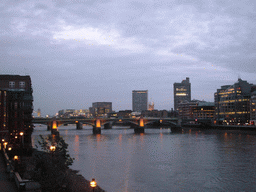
83 51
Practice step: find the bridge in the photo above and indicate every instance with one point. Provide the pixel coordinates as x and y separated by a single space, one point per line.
138 124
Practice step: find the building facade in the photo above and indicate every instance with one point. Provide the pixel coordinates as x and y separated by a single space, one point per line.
16 106
139 100
101 109
204 110
232 103
182 92
184 108
253 108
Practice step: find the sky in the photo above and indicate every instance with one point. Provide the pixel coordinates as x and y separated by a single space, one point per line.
83 51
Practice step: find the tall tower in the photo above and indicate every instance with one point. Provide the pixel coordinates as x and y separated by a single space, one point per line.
182 92
139 100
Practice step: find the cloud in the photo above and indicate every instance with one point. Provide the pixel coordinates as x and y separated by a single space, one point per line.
105 49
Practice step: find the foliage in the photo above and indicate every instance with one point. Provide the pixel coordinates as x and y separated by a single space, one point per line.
51 166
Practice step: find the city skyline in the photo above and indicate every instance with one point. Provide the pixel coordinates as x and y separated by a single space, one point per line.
80 52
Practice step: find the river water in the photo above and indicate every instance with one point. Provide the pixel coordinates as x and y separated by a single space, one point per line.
159 160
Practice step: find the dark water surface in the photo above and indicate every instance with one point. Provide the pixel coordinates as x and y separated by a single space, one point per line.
159 160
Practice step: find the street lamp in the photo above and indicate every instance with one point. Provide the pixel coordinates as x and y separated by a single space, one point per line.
5 143
93 184
52 148
15 158
22 135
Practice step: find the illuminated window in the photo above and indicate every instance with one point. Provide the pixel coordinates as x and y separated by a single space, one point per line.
22 84
11 84
181 94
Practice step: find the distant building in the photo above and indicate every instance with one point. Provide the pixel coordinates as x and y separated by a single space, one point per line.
16 107
101 109
204 110
182 92
253 108
151 106
139 100
184 108
67 113
232 103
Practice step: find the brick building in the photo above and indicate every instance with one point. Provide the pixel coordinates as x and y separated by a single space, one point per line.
16 107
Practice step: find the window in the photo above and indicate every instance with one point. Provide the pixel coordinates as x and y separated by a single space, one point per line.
11 84
22 84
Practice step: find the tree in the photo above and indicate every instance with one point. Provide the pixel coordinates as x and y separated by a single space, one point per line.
51 165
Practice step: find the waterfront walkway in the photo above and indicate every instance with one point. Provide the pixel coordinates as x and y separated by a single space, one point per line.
5 184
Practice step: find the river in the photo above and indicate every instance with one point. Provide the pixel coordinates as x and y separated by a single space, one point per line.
159 160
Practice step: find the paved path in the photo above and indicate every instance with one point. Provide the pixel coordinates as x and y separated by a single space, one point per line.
5 184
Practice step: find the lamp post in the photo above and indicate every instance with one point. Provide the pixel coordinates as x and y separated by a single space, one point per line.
16 159
52 148
93 184
22 135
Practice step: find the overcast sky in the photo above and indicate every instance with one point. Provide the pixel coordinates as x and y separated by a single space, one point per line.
83 51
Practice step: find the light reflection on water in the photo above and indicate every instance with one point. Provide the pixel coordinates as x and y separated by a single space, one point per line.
159 160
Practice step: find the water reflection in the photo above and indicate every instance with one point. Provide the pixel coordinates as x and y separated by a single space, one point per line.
159 161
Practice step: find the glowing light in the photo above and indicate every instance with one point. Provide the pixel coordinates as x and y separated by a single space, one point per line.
52 148
98 123
15 157
21 133
93 183
181 94
5 144
54 124
141 122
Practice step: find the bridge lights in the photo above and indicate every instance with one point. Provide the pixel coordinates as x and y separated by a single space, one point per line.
93 184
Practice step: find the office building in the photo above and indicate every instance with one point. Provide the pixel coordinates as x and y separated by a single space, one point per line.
204 110
16 107
253 108
182 92
184 108
232 103
101 109
139 100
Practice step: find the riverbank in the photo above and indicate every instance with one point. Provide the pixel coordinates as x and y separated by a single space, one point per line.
221 127
5 184
71 182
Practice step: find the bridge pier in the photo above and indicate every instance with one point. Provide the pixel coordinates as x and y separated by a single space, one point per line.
96 130
108 126
140 127
49 127
176 129
139 130
79 125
